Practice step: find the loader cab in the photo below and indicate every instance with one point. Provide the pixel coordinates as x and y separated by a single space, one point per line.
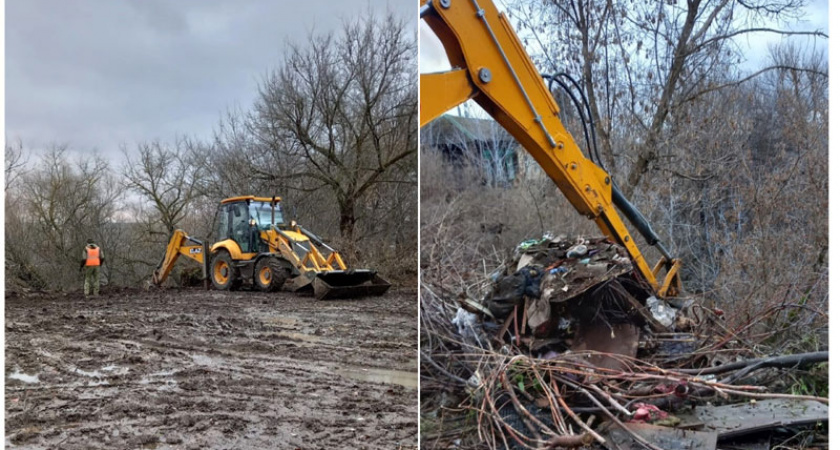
242 218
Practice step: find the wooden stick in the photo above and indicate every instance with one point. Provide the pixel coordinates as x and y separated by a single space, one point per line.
516 325
501 335
574 416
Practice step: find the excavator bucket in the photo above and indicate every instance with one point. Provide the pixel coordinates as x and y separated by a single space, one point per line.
348 284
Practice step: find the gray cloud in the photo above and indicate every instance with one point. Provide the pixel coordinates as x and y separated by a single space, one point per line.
756 46
99 73
814 17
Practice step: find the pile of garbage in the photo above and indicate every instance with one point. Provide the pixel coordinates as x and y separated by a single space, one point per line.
570 348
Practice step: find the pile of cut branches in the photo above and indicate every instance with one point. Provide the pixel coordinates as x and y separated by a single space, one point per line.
491 381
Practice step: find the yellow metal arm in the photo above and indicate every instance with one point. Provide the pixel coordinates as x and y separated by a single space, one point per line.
452 89
494 69
179 244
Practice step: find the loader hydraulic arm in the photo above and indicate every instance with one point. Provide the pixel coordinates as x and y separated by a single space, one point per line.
179 244
492 68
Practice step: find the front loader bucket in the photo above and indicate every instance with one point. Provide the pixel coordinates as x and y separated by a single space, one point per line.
348 284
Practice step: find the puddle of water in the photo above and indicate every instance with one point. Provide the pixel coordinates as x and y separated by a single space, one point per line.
112 370
168 384
302 337
18 375
163 373
383 376
85 373
287 321
115 370
204 360
45 353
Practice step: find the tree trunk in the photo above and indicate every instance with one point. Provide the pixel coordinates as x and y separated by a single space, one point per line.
587 48
347 220
649 152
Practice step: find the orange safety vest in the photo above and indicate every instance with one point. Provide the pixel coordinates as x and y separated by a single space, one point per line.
92 256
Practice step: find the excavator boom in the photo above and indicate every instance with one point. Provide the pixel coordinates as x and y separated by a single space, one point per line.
179 244
493 69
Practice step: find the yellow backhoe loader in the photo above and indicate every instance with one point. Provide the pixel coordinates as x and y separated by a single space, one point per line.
254 244
491 67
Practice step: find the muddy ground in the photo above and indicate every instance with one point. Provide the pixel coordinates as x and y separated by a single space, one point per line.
192 369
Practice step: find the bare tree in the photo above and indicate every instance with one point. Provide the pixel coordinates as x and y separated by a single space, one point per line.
19 234
641 62
15 162
237 164
58 205
167 176
341 112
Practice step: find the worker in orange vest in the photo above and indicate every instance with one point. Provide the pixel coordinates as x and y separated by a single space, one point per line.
92 259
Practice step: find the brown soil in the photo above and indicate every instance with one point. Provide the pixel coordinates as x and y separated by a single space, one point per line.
192 369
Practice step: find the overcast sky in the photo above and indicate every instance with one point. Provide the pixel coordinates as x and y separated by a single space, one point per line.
98 73
755 46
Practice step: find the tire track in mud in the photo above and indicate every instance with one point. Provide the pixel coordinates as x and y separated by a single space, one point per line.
197 369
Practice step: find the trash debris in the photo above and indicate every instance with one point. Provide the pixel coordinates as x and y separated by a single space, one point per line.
663 313
732 421
606 340
570 347
466 322
647 413
577 251
662 437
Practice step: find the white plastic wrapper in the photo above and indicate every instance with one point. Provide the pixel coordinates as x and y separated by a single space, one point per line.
467 324
663 313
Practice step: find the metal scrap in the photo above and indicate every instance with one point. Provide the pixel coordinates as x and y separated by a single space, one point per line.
664 437
732 421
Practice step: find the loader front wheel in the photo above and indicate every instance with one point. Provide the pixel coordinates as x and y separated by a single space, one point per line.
225 276
270 274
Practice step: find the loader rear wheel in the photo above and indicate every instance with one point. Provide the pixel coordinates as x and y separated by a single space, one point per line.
270 275
224 275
